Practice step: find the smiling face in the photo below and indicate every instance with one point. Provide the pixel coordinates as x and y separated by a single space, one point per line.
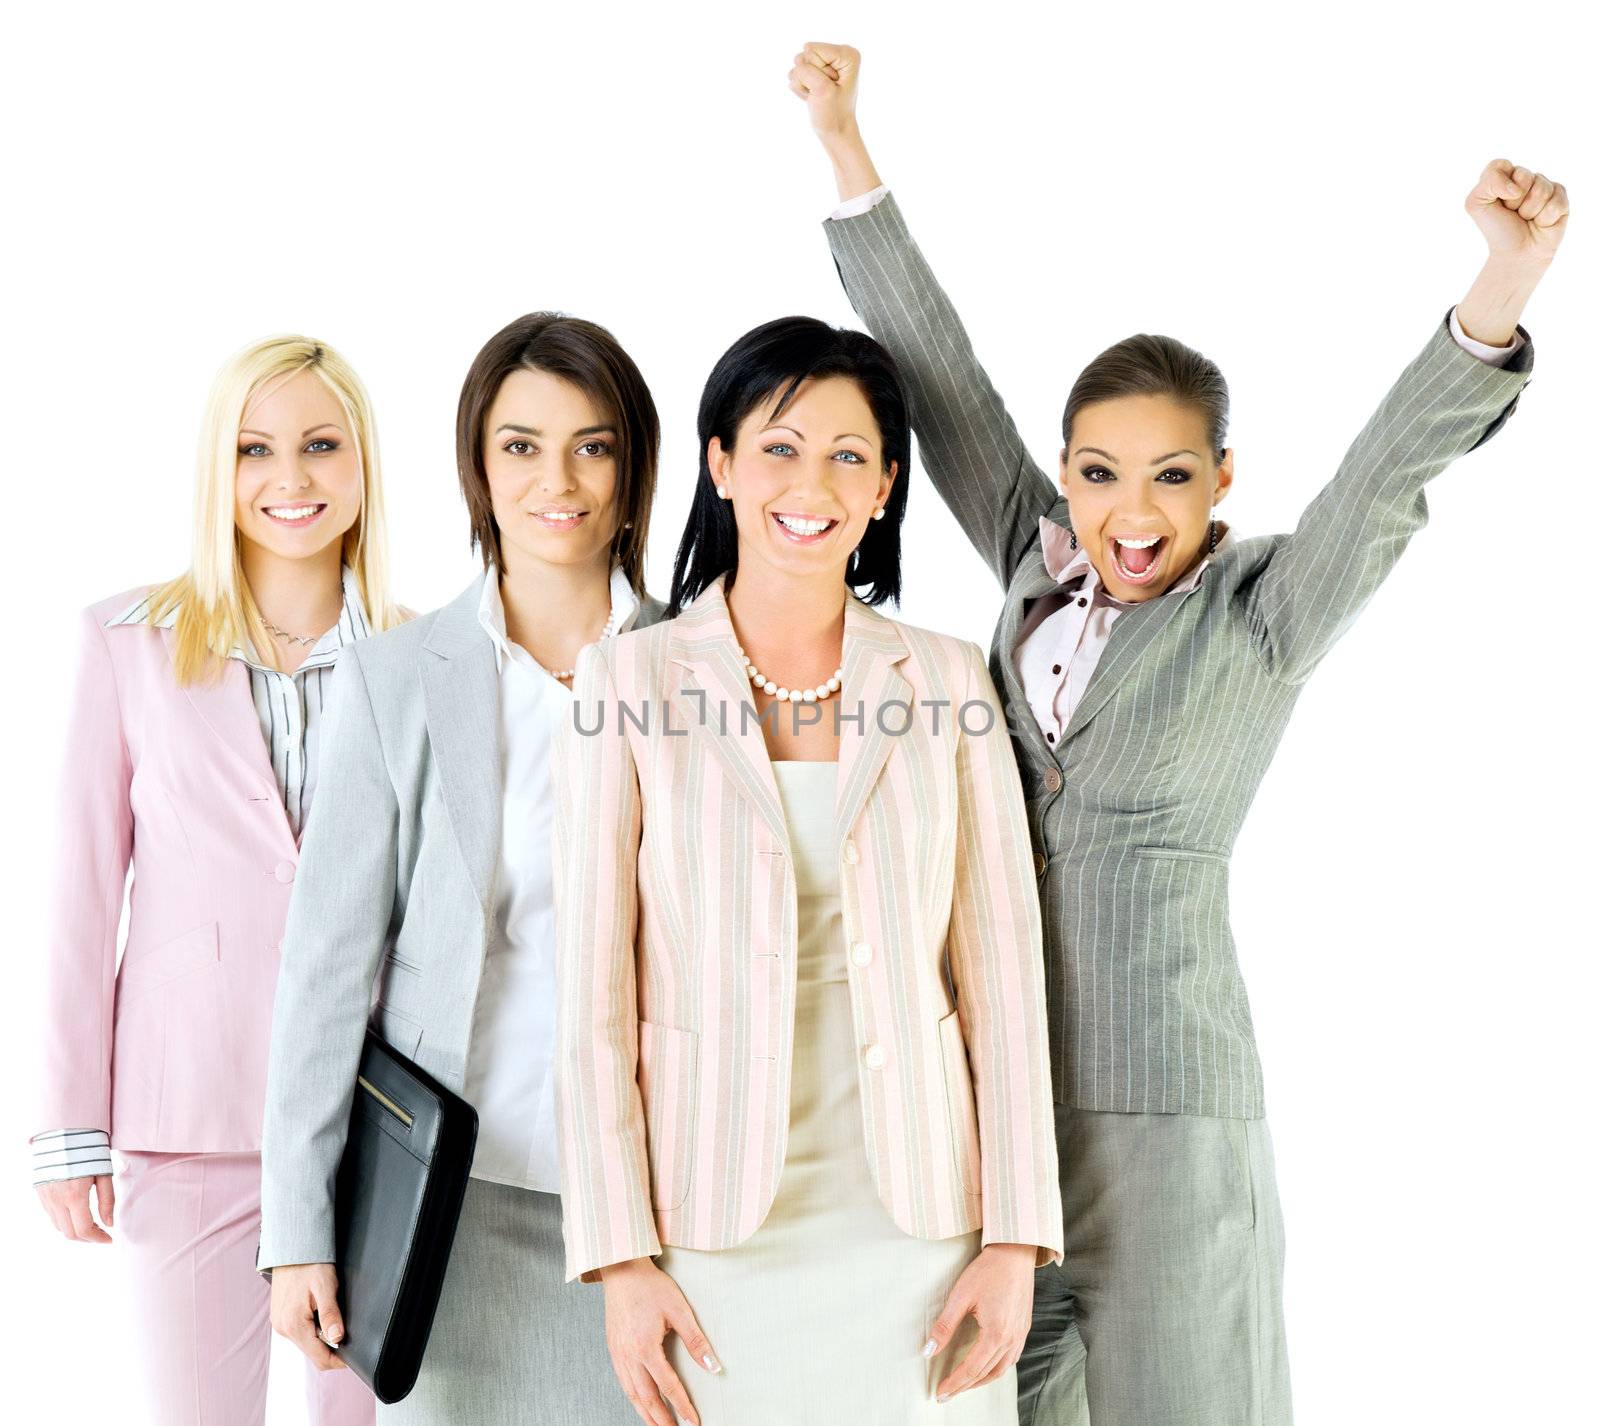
1140 483
551 458
297 485
805 482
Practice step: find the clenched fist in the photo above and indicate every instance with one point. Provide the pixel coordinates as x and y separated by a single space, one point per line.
825 77
1522 214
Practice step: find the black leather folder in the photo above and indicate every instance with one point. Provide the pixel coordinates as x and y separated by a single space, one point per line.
397 1201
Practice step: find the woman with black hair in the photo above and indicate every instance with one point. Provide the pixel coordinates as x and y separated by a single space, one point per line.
801 1081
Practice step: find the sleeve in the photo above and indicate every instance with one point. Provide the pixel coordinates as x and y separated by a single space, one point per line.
605 1192
1445 403
861 203
94 845
339 923
1495 356
968 442
70 1153
996 953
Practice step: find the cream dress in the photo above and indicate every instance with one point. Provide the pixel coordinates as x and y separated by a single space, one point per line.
820 1315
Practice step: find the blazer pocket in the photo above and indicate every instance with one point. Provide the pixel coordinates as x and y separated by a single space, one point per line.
1185 854
962 1112
400 1031
144 971
667 1080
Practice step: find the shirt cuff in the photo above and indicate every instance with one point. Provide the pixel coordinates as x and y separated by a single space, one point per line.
852 207
70 1153
1495 356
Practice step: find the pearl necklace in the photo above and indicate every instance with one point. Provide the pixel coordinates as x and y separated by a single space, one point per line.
610 628
793 695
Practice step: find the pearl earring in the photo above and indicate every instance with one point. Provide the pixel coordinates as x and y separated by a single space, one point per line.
878 513
722 490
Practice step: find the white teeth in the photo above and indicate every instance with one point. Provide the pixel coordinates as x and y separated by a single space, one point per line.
803 527
1138 544
291 512
559 514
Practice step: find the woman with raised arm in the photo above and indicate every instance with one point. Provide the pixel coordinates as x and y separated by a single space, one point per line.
424 903
1150 660
195 748
801 1082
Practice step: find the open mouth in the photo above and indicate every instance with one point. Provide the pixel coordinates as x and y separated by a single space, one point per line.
296 515
803 529
560 519
1138 560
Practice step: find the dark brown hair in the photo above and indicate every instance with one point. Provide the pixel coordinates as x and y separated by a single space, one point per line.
588 356
1146 365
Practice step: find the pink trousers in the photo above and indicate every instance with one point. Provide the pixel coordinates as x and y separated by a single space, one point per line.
188 1225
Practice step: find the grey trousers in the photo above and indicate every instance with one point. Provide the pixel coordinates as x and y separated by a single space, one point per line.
1167 1309
512 1344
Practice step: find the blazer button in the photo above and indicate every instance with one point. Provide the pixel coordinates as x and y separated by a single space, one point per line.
851 855
861 954
1052 779
1038 863
284 871
876 1057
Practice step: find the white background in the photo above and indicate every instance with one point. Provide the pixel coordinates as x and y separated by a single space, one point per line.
1280 186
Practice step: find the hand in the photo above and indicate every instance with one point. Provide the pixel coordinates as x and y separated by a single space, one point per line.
305 1296
997 1289
825 77
1522 214
643 1304
67 1203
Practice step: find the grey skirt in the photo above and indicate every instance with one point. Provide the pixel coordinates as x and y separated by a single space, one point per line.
512 1344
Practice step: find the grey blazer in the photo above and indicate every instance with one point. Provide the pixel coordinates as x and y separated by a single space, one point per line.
1134 813
393 903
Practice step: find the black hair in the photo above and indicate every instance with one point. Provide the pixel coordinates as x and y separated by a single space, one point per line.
769 363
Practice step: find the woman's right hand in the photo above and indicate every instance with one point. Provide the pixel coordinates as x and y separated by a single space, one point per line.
305 1296
66 1202
825 77
643 1304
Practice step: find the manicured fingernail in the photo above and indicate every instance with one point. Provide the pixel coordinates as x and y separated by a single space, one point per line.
711 1363
942 1399
929 1347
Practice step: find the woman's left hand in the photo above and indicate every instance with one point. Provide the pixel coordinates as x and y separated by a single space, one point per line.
997 1289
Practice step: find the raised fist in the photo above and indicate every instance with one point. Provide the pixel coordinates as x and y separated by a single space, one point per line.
1522 214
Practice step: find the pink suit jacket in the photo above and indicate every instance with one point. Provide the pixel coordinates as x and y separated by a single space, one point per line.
169 1050
677 924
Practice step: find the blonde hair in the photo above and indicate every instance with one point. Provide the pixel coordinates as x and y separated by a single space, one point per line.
215 608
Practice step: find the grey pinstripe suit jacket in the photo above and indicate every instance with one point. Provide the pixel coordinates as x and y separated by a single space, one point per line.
1134 814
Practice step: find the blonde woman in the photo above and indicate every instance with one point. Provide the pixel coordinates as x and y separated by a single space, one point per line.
192 756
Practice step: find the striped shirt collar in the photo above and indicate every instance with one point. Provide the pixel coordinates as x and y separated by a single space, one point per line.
352 624
492 611
1063 563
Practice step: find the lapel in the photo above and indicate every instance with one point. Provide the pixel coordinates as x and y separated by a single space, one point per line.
1134 631
1031 581
228 709
701 642
461 700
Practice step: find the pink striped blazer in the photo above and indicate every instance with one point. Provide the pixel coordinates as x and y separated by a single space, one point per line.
677 920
